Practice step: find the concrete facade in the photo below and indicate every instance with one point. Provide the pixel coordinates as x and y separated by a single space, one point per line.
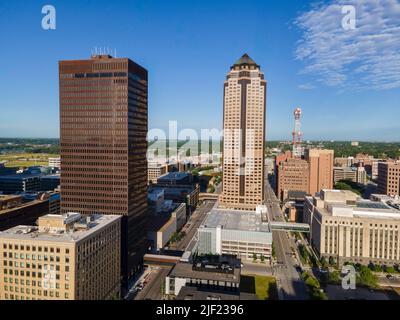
64 258
239 233
349 228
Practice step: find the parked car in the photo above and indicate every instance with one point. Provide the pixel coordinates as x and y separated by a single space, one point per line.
298 269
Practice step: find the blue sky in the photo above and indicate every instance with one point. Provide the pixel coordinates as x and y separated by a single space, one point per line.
348 84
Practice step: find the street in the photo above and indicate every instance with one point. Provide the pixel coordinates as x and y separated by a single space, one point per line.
290 285
152 288
384 281
193 224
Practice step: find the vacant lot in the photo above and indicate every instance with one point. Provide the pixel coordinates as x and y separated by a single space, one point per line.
23 160
264 287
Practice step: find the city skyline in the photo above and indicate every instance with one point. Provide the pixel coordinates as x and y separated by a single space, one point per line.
203 151
179 74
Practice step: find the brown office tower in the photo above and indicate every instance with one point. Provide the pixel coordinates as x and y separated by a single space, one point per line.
389 178
103 111
293 176
321 169
244 136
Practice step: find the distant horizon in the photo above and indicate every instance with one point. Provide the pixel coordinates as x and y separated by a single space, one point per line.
347 87
272 140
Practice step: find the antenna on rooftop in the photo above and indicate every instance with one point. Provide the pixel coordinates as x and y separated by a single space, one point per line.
297 134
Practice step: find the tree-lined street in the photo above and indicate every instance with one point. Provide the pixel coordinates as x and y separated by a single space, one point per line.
290 285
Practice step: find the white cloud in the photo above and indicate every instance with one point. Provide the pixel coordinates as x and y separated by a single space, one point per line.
367 57
306 86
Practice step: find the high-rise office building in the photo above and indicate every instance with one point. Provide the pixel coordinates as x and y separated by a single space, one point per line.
293 175
103 113
321 169
244 136
308 175
389 178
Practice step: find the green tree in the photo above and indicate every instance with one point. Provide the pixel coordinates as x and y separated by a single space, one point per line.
348 185
211 189
324 263
371 266
334 277
312 282
273 250
317 294
305 256
367 278
254 257
314 286
174 238
332 261
390 269
378 268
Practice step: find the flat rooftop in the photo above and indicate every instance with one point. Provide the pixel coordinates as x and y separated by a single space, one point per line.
236 220
185 270
20 176
360 209
155 165
171 189
21 206
54 176
32 233
371 205
194 293
174 176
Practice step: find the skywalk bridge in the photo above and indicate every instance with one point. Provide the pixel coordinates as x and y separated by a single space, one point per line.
289 226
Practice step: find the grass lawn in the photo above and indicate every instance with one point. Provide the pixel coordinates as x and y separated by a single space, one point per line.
20 160
264 287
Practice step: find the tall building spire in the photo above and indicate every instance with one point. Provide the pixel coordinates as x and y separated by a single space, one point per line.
246 60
